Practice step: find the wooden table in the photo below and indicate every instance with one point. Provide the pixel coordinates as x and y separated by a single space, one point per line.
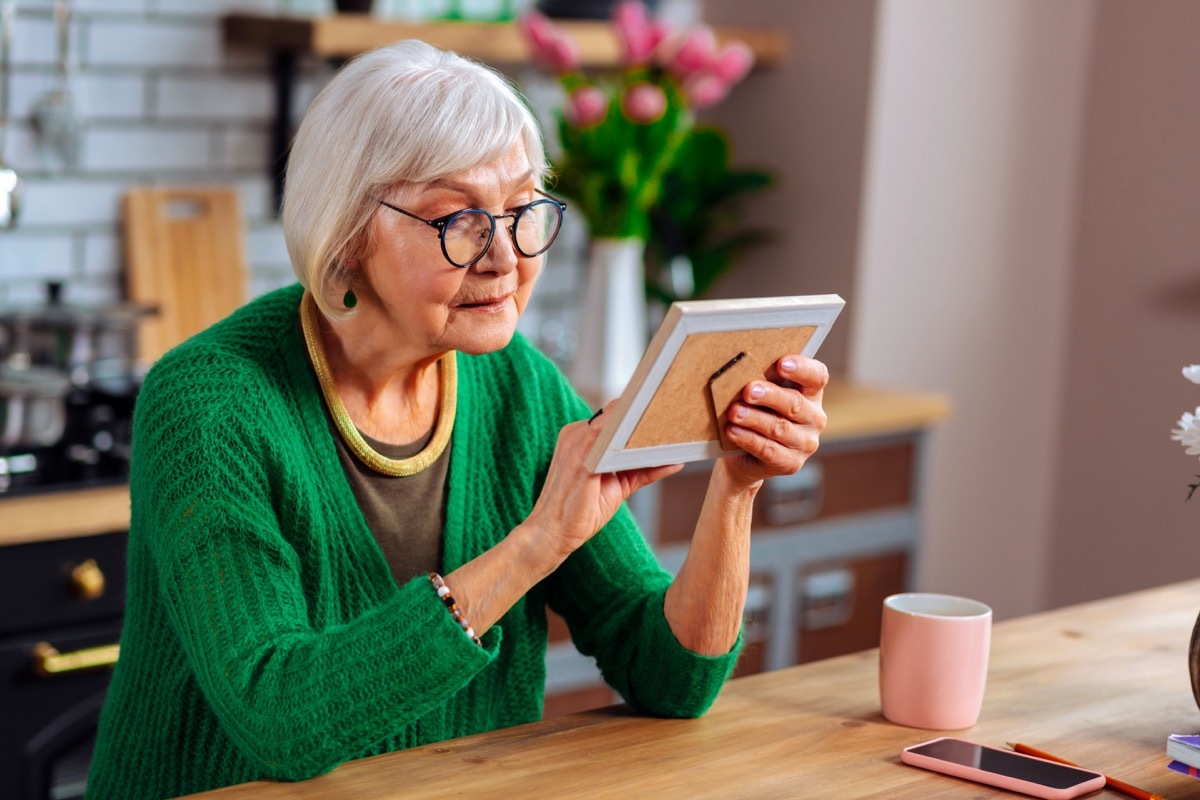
1101 684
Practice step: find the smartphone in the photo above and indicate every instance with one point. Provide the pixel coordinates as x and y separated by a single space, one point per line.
1005 769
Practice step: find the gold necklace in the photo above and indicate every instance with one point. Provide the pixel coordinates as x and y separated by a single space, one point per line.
396 467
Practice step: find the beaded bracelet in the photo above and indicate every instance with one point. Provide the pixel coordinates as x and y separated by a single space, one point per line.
443 591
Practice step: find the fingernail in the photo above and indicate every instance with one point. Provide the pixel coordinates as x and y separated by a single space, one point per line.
741 412
737 430
789 365
757 391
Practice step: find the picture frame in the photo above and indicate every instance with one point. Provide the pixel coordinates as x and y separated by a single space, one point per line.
703 353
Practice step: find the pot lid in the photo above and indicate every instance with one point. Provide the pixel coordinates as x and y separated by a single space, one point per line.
56 312
33 382
72 315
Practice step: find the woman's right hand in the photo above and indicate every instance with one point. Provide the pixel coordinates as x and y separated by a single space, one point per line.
575 503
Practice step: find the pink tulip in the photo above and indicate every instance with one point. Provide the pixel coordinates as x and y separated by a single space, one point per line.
659 33
733 63
644 103
586 106
562 55
704 90
537 29
694 53
552 49
638 33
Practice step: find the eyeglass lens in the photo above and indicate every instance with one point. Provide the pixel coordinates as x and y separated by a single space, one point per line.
467 235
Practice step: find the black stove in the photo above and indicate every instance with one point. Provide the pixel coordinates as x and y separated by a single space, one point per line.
68 381
93 451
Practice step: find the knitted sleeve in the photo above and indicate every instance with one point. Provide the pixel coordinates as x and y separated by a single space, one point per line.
611 594
295 698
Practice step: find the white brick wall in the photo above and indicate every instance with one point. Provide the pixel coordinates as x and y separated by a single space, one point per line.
162 148
245 98
52 203
186 42
161 101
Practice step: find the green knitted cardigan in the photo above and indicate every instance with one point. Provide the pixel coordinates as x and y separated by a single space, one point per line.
265 636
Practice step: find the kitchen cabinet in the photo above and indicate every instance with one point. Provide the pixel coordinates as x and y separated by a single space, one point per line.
337 37
827 544
61 605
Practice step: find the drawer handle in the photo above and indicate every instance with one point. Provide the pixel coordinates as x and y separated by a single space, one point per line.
87 581
47 661
795 498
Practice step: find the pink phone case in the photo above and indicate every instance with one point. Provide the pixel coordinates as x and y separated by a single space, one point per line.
1095 782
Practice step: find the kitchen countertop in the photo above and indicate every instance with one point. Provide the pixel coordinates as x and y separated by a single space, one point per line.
63 515
854 411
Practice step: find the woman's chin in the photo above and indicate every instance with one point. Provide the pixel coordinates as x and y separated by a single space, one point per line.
488 340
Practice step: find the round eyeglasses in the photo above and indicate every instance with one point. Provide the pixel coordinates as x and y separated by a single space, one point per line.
467 234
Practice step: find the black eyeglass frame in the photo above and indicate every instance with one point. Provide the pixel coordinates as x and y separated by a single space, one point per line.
442 223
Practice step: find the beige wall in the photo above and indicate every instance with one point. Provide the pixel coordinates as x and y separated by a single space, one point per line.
1032 196
1120 522
807 120
1007 194
975 129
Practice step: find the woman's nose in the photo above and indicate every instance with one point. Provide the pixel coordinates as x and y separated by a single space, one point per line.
501 256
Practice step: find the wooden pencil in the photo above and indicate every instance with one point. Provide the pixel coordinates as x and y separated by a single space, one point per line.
1113 783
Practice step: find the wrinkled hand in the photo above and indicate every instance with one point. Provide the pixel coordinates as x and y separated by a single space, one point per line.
574 503
777 421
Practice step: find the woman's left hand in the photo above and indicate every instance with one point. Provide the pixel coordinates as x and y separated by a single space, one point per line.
777 421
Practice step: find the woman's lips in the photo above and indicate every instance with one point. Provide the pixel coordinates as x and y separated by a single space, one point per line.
492 304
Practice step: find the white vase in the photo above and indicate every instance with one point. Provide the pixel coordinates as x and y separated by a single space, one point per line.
612 320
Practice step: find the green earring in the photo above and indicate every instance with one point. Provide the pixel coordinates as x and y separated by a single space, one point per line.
350 300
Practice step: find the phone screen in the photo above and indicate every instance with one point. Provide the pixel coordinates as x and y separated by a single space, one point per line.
1002 762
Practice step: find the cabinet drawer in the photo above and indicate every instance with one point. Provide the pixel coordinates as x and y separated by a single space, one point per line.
833 483
63 581
557 628
840 604
761 606
49 721
578 687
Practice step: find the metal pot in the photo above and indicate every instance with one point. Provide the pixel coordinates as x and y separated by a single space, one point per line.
81 340
32 407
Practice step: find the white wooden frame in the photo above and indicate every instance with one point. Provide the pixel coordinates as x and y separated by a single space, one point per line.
611 454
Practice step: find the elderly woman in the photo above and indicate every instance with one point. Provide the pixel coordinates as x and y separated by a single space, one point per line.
354 499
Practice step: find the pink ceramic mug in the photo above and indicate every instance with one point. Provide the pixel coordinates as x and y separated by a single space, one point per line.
933 660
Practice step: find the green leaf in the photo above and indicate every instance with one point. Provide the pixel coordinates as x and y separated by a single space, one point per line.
698 212
619 174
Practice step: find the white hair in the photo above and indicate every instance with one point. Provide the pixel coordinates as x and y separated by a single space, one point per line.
404 114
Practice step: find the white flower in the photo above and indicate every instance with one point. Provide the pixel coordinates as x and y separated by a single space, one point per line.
1188 432
1192 373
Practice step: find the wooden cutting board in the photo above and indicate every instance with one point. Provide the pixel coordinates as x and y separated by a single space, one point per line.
184 254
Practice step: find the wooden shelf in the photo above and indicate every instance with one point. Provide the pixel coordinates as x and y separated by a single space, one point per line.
498 43
501 44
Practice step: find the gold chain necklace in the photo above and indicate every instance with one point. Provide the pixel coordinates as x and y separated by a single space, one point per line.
396 467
